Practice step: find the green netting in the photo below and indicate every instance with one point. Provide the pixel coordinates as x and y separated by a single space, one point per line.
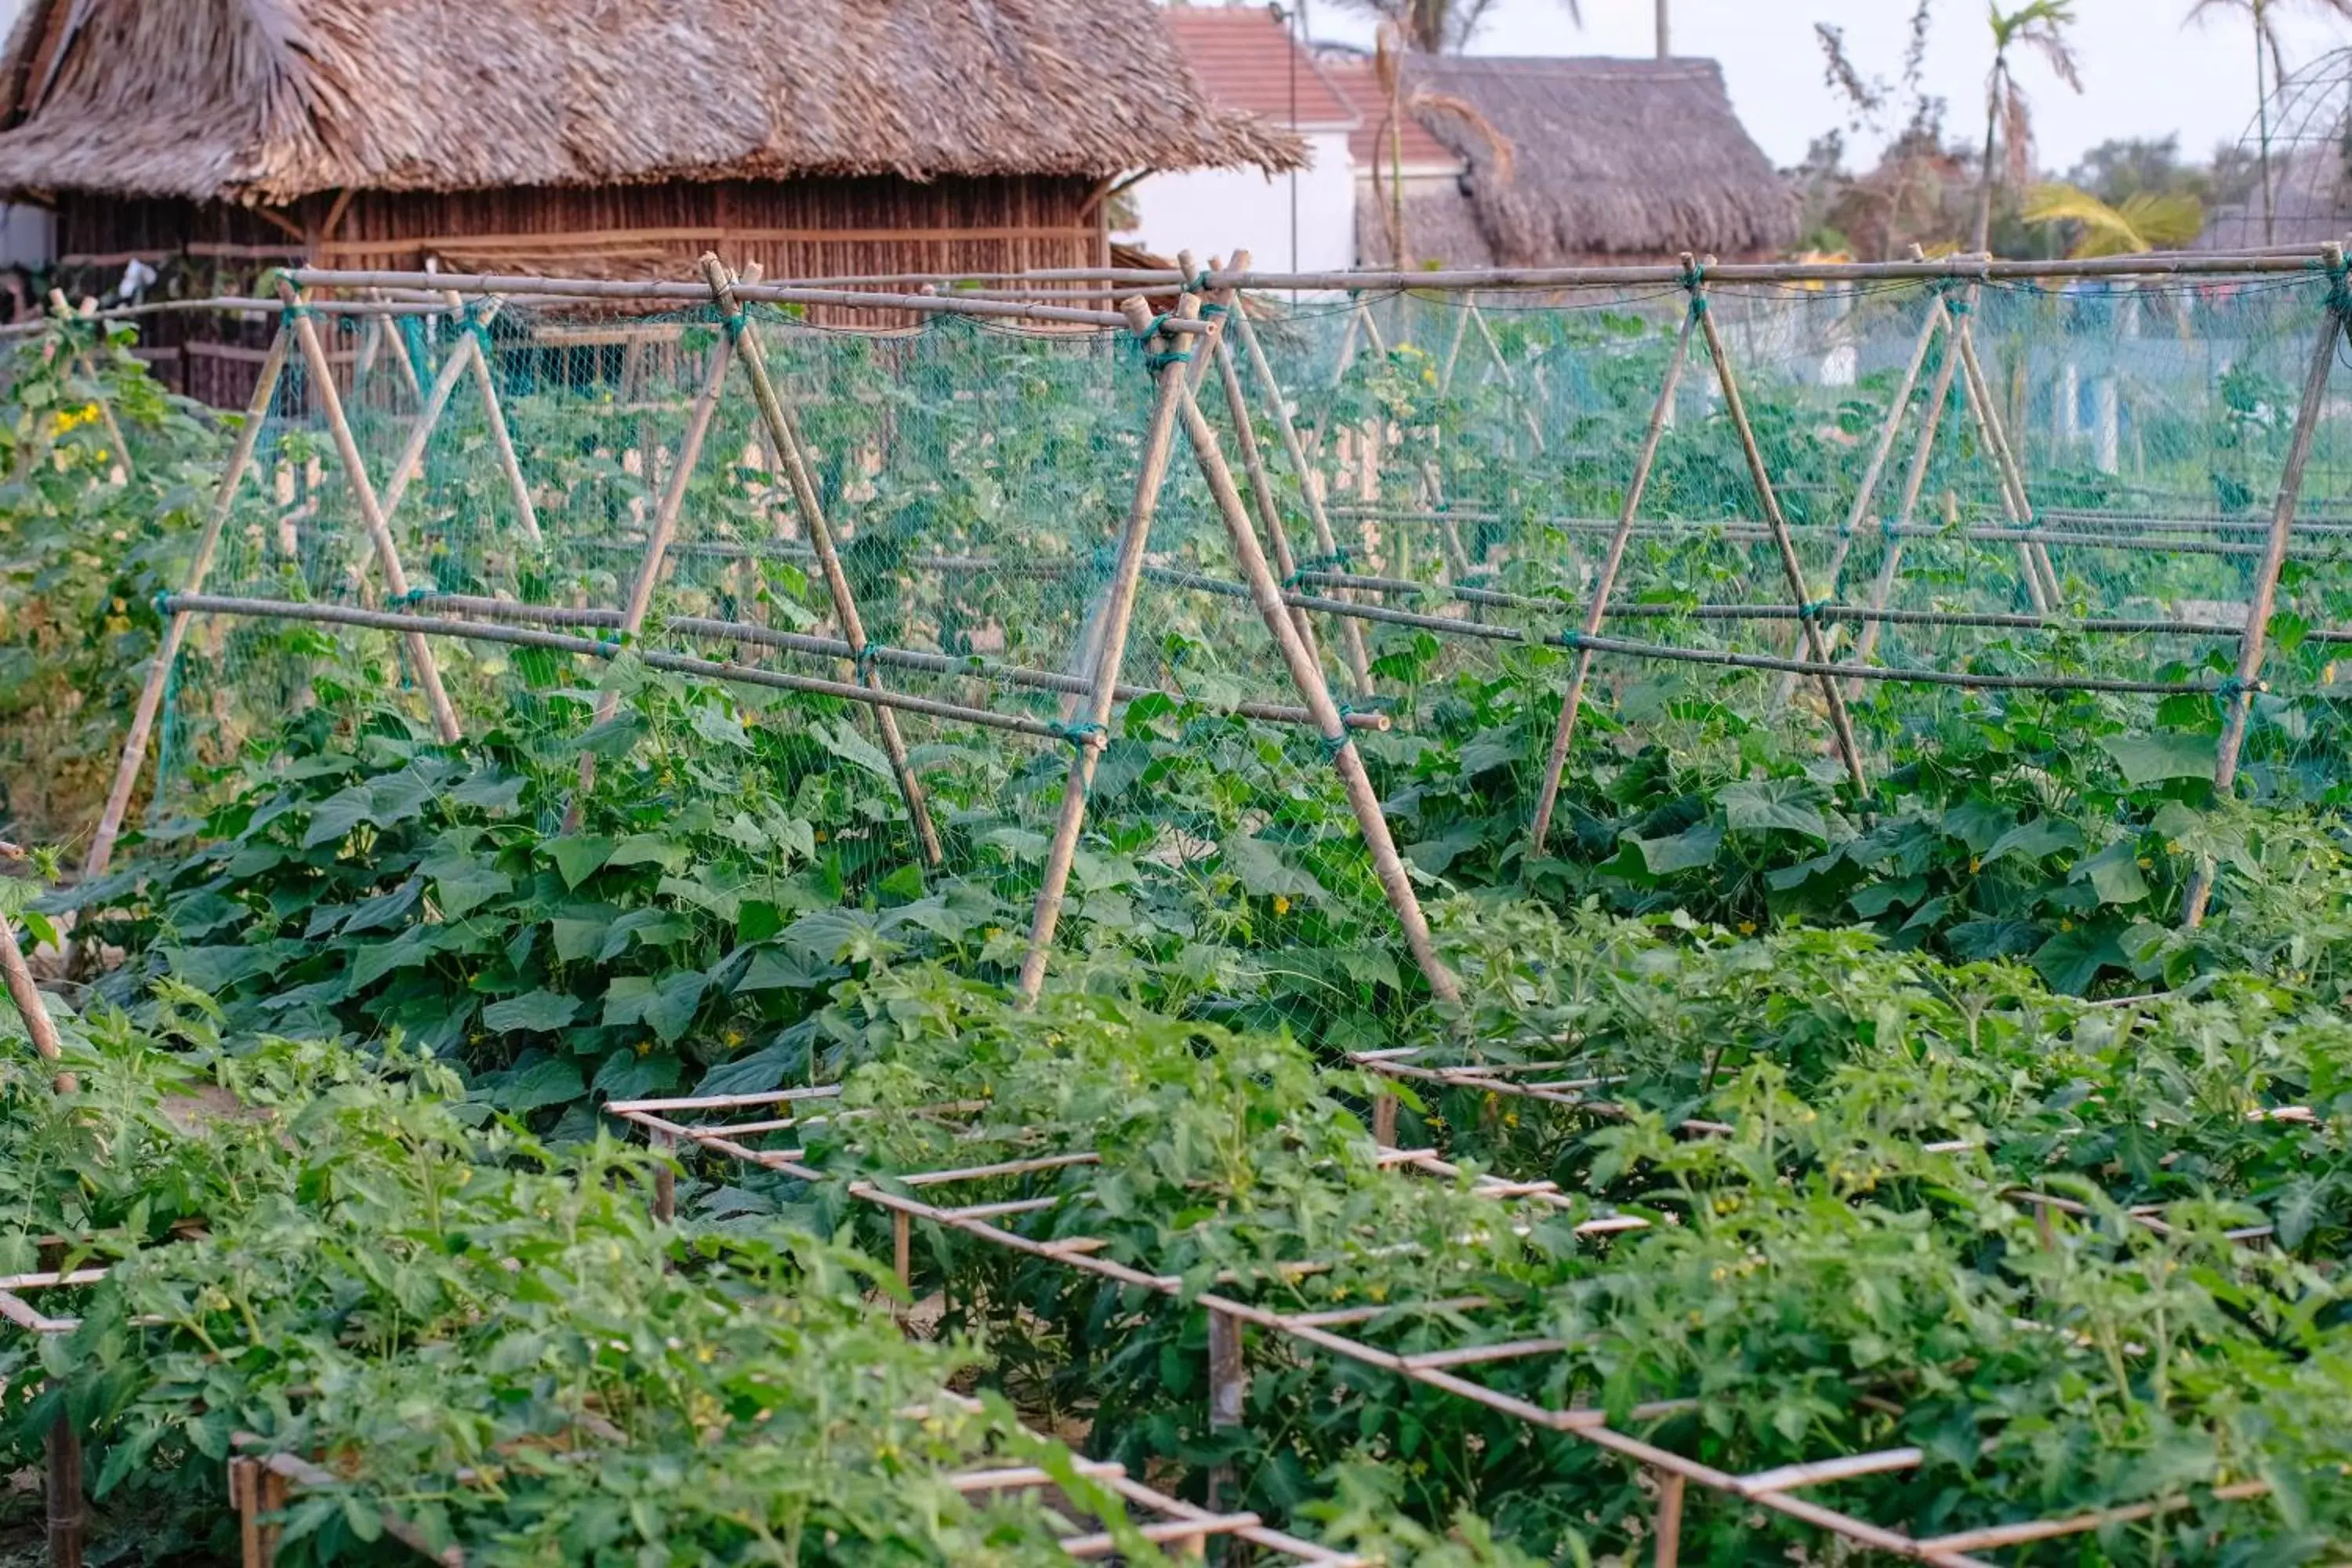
1470 455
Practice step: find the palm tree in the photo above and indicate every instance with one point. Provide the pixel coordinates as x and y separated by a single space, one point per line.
2149 220
2040 25
2269 56
1442 26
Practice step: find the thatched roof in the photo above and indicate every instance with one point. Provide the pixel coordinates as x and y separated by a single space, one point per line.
1607 158
271 101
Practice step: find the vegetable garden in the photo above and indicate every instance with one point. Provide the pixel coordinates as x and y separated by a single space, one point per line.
1696 914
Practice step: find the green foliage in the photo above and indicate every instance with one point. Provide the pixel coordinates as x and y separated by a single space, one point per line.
491 1344
84 546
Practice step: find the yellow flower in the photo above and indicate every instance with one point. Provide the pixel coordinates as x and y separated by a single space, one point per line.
1975 865
2146 864
2172 847
1748 928
2065 925
1281 905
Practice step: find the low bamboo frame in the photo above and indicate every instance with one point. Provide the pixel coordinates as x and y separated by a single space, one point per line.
1768 1488
262 1482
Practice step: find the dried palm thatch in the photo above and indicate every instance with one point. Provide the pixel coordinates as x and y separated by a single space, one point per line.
1612 158
266 101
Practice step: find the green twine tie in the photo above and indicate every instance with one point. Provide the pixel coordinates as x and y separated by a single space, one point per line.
1338 559
1079 735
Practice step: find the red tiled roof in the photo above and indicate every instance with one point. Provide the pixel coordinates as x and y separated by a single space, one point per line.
1246 59
1368 144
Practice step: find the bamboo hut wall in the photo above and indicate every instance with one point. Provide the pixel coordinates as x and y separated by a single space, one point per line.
805 228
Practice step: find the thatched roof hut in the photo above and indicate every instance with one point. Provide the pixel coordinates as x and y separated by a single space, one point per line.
816 136
1571 160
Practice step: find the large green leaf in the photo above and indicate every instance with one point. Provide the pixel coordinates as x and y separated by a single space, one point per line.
2033 840
2114 873
533 1010
2152 759
1765 805
1689 850
577 858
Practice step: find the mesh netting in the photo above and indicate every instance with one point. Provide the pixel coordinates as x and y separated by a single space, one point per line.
2065 534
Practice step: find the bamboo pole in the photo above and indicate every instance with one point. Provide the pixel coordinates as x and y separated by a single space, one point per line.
1126 573
1996 434
411 462
1454 346
1351 636
1866 495
1228 1391
2039 592
387 554
1604 587
683 663
68 1514
2255 645
38 1026
657 541
1261 484
785 437
1669 1552
753 635
1890 563
476 348
1841 723
410 374
175 629
1339 740
1510 379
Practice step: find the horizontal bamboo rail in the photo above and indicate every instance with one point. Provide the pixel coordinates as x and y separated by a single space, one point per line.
878 653
525 637
687 294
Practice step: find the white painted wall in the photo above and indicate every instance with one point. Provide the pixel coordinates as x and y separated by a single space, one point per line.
1214 212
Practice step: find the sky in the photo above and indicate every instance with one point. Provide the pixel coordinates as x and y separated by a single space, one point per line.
2144 74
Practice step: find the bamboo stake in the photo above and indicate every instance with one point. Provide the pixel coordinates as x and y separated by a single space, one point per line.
1510 378
657 540
1339 740
2255 645
1454 348
2013 506
405 468
175 629
1269 513
1866 496
1671 1486
476 348
1996 437
38 1026
1351 636
1228 1391
1158 439
1841 723
68 1514
1604 587
785 437
1938 399
387 554
415 382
